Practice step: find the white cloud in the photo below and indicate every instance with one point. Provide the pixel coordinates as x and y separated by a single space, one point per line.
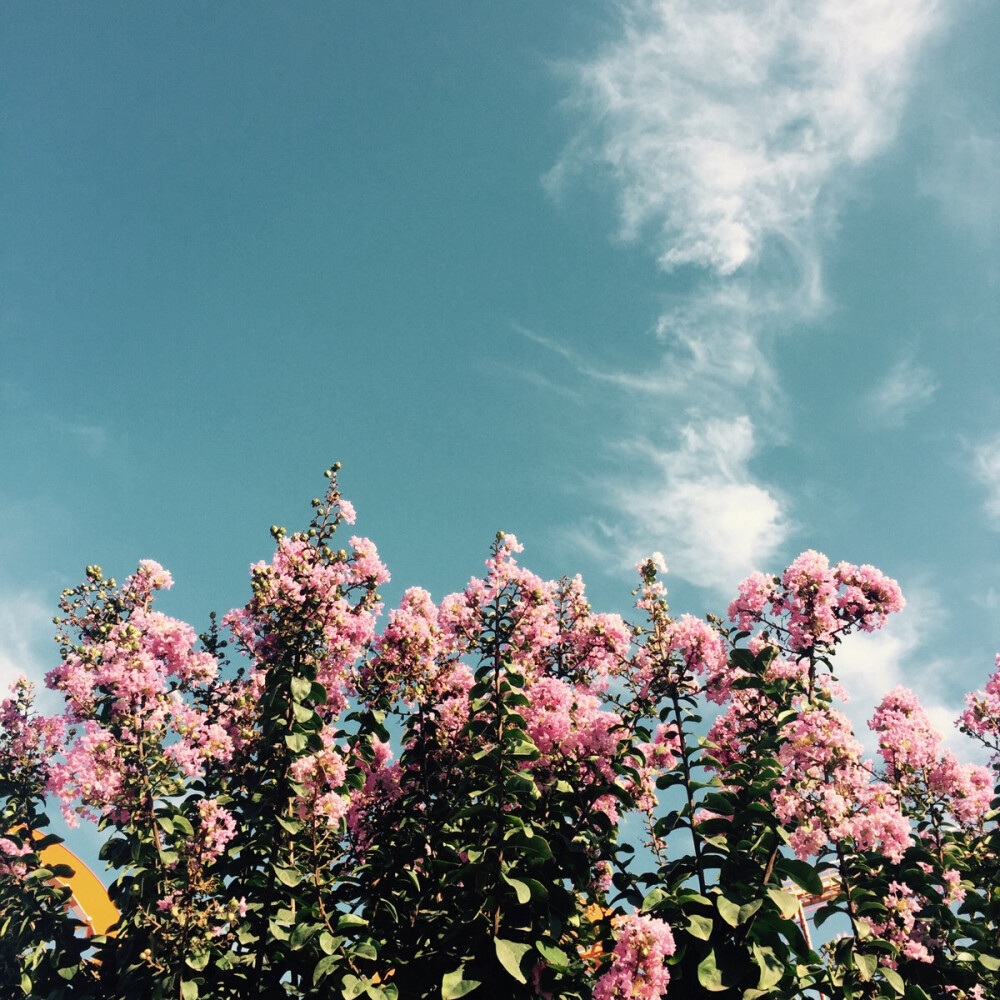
26 645
699 504
869 664
966 180
987 470
722 124
730 133
904 389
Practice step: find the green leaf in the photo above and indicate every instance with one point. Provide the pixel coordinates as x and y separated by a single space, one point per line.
990 962
522 890
301 688
455 985
771 970
296 742
728 910
802 874
348 920
198 961
552 954
653 898
895 980
510 955
324 967
183 825
787 902
700 927
709 974
302 713
301 935
354 987
867 964
288 876
189 990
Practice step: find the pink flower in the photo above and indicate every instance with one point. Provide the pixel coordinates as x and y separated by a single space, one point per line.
638 970
218 827
810 605
826 793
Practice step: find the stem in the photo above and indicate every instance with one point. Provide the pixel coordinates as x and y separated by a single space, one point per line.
499 777
846 884
696 840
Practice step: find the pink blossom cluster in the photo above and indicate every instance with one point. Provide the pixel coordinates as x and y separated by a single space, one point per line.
10 855
827 794
907 740
408 650
916 767
638 970
574 735
750 710
320 778
551 626
901 926
131 685
590 646
97 775
217 828
132 666
380 790
562 651
658 756
304 594
687 654
811 604
652 592
981 717
27 741
508 590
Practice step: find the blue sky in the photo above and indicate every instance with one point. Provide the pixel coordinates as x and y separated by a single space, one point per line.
709 278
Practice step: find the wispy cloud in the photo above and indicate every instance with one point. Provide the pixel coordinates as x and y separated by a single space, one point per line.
986 467
699 504
728 133
965 180
906 388
721 125
26 645
870 664
547 385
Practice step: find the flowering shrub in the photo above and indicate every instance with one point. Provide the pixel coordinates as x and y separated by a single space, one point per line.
300 803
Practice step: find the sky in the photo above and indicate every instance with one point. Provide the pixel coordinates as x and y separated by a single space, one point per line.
717 279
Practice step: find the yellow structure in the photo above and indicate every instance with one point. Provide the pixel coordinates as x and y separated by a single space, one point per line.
89 901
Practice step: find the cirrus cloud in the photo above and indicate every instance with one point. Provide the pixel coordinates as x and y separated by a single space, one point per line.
700 505
722 124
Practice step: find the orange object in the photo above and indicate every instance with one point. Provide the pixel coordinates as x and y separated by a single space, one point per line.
89 900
